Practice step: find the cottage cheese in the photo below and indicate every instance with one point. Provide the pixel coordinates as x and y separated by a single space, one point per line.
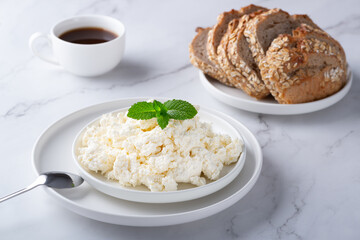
135 152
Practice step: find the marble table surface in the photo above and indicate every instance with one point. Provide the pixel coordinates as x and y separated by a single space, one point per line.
309 186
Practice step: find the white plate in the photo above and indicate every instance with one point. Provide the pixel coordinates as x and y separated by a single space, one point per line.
186 191
237 98
53 152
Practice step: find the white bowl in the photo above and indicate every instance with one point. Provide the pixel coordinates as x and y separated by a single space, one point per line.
186 191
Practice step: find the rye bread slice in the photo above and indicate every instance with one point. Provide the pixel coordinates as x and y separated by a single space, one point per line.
235 58
220 28
305 66
199 56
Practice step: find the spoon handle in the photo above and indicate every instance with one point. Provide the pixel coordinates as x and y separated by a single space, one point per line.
16 193
39 181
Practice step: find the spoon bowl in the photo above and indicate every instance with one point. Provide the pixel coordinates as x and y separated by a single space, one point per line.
62 180
56 180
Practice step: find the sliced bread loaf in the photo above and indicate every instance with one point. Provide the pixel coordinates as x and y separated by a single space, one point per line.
200 59
305 66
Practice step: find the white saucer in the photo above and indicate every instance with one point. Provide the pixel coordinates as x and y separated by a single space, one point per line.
53 151
237 98
185 192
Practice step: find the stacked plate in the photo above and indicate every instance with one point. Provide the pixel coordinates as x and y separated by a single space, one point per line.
53 151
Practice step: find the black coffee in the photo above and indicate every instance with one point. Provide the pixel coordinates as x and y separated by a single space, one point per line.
89 35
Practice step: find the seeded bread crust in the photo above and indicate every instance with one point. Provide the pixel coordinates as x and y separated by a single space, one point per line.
220 28
235 59
305 66
199 57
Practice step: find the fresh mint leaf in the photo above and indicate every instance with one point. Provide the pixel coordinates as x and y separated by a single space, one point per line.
180 109
142 111
163 120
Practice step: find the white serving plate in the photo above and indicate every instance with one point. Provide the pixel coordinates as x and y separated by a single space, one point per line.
237 98
186 191
53 151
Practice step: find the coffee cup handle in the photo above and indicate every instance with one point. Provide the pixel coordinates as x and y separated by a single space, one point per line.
32 40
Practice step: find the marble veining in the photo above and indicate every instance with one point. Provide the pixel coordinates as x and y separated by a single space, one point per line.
350 25
263 132
160 75
309 187
337 143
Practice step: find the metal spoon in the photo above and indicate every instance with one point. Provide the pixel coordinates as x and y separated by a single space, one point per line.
51 179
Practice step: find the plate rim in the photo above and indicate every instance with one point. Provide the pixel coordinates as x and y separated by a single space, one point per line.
186 215
276 108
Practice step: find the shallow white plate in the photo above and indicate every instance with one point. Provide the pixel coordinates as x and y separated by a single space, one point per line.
186 191
53 152
237 98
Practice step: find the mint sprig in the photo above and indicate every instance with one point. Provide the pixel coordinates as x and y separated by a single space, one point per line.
172 109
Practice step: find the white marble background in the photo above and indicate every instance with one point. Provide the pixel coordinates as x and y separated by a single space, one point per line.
310 183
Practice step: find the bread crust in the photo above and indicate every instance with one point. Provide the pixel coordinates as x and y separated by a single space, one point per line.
306 66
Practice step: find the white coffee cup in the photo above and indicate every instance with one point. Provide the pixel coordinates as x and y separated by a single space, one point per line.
84 59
